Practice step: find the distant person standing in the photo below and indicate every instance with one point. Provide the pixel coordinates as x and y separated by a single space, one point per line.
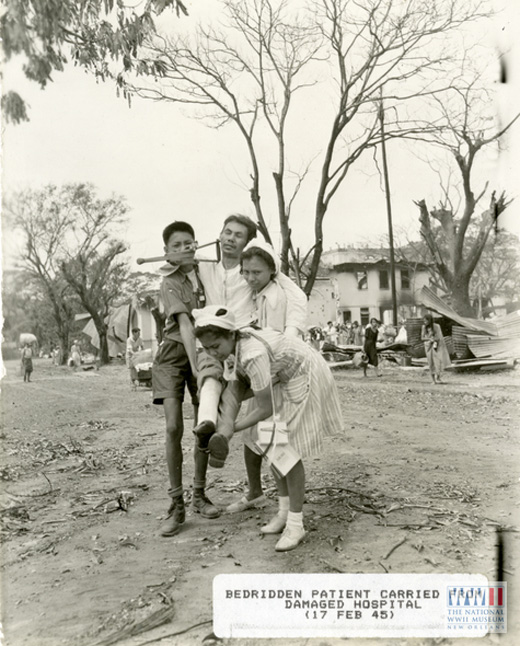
356 334
75 355
369 347
435 348
134 344
57 355
27 362
331 333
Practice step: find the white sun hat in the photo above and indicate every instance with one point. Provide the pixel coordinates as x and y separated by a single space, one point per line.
218 315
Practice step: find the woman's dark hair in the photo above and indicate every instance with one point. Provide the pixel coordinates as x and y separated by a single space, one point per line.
429 319
219 332
374 319
257 252
355 324
177 226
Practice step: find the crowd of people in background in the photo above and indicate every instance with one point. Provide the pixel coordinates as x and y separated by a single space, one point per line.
339 334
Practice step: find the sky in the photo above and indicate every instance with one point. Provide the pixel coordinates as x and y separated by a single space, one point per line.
169 165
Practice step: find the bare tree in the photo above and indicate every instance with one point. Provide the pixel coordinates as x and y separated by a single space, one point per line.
69 251
457 230
255 71
498 272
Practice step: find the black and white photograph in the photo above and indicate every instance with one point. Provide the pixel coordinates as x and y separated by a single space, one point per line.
260 322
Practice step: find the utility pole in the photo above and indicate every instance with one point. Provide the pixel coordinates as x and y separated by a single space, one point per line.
388 211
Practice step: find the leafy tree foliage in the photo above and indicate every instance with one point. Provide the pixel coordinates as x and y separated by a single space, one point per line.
90 33
70 252
26 307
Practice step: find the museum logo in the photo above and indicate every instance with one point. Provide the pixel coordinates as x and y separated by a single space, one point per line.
482 607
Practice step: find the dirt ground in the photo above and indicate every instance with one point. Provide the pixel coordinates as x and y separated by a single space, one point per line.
84 490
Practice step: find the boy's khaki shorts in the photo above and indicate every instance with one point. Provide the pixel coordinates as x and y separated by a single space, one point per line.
171 373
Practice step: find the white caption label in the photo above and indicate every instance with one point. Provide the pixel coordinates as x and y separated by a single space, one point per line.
357 605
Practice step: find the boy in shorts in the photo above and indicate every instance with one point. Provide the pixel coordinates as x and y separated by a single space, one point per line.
174 368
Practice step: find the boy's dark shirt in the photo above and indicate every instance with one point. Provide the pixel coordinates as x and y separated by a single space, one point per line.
178 297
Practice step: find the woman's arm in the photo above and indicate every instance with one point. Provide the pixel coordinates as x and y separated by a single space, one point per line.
188 339
437 332
263 410
296 313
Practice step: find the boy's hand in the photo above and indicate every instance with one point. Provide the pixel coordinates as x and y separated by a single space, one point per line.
177 257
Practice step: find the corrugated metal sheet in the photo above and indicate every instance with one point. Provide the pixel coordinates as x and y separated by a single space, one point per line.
497 347
413 330
508 325
460 342
430 300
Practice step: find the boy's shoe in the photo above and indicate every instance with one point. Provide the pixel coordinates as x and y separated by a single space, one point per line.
202 505
203 433
176 516
291 538
218 447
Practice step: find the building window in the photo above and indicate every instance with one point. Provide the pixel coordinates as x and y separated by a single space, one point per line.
383 279
347 316
365 316
362 279
405 279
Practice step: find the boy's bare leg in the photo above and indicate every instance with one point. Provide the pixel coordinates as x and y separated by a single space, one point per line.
174 431
174 457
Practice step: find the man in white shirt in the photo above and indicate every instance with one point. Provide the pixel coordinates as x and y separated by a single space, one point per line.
134 344
224 285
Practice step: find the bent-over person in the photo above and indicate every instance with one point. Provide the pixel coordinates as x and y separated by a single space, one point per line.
306 400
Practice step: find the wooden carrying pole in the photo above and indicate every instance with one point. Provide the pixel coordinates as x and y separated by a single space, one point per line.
142 261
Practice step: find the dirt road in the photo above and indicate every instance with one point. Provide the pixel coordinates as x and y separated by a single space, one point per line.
436 466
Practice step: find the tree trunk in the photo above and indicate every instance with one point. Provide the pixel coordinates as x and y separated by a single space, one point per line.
64 341
460 300
284 224
318 248
103 347
102 330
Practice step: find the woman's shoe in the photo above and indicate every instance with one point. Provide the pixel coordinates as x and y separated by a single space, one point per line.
290 539
244 503
275 526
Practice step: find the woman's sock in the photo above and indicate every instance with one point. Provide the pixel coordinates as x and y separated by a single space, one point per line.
295 519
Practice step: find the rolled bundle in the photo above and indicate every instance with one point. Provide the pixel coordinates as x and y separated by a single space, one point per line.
27 337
